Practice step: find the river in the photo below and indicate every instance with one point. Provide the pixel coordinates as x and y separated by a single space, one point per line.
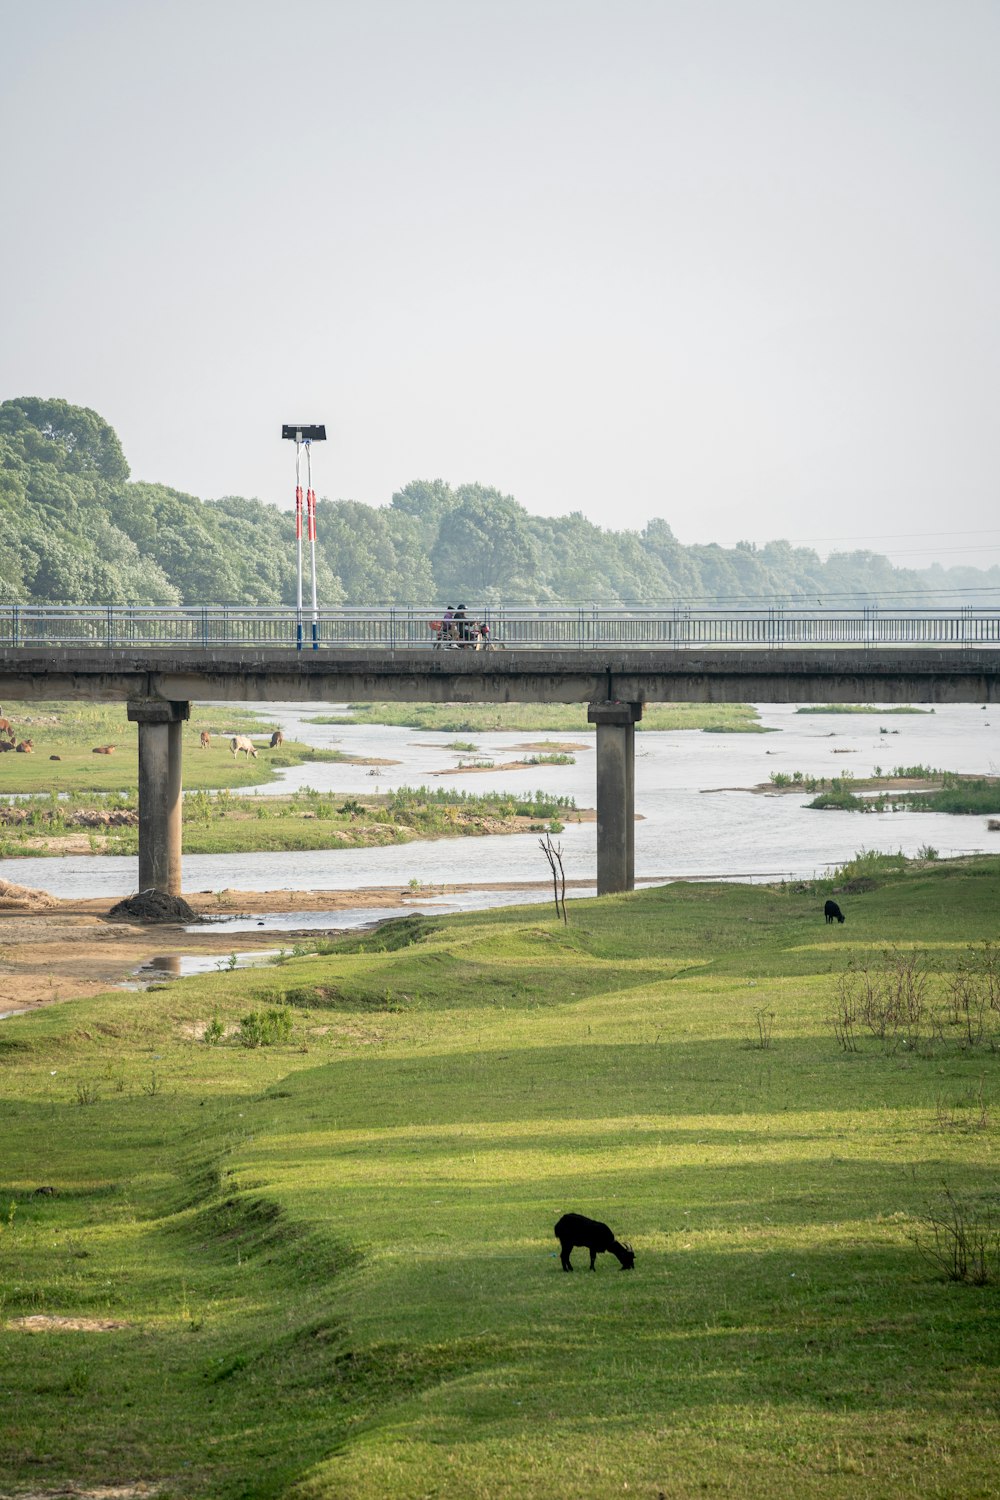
687 828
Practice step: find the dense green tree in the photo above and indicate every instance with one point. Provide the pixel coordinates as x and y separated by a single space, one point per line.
484 550
74 529
84 440
427 502
376 554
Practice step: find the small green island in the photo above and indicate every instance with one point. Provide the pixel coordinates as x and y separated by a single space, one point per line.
915 788
461 718
862 708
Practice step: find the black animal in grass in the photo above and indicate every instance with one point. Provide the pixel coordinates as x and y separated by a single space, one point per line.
833 913
576 1229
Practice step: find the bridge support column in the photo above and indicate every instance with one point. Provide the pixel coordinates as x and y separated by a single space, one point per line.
615 794
160 722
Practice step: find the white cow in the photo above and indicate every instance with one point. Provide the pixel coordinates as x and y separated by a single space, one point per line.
240 742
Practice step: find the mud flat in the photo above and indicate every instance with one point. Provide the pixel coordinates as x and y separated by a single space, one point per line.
70 950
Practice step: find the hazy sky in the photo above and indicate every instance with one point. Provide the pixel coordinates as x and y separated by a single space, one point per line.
729 262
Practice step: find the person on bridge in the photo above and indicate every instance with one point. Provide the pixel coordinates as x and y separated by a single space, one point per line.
447 628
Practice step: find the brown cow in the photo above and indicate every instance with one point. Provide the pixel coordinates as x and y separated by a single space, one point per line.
206 739
104 750
24 747
7 728
277 739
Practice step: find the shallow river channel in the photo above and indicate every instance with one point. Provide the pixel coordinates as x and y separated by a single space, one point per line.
694 821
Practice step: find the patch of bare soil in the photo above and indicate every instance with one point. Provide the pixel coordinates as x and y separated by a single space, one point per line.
52 1323
100 1492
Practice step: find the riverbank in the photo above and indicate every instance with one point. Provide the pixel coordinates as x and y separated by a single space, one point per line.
72 951
223 824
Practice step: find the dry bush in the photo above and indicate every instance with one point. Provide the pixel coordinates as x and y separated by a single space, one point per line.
961 1239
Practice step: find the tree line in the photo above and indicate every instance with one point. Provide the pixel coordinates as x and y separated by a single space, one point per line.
74 528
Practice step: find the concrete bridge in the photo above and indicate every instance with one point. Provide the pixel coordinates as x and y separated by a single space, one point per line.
158 684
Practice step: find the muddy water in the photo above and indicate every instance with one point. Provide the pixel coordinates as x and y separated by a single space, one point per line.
691 823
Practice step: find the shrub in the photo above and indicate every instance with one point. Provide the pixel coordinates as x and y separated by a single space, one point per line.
887 995
214 1032
869 864
974 993
267 1028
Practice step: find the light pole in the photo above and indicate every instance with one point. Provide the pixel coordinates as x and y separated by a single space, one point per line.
304 435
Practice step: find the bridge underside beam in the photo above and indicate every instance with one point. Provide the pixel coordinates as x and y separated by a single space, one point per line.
160 801
720 675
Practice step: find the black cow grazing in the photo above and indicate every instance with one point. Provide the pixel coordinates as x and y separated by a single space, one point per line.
833 913
575 1229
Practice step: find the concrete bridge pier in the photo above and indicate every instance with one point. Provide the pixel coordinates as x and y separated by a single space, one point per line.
615 794
160 722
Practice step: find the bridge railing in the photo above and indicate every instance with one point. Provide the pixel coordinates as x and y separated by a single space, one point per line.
406 628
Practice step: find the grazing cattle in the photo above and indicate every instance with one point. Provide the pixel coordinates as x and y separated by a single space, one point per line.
277 739
104 750
7 728
240 742
24 747
833 913
206 739
576 1229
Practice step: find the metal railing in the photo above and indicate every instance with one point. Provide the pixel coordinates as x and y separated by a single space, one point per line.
567 628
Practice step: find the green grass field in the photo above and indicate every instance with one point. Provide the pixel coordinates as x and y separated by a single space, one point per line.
72 730
329 1266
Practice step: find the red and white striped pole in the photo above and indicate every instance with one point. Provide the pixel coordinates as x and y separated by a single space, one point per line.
304 435
311 523
298 544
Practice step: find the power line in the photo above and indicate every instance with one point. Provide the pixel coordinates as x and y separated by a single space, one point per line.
834 599
888 536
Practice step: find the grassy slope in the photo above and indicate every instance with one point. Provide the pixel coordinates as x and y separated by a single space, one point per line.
336 1256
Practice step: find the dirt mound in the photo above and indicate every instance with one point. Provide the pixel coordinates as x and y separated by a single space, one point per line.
153 906
23 898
